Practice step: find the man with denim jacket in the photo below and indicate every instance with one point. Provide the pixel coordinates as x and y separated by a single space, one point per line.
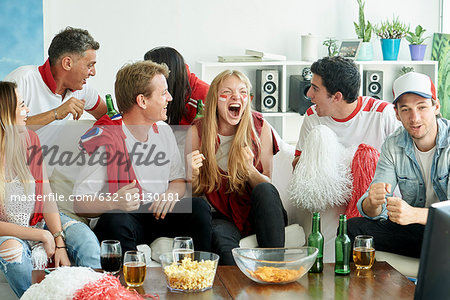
416 157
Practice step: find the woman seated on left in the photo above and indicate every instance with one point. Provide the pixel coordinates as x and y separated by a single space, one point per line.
31 235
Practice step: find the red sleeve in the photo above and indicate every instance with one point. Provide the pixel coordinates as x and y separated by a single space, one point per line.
96 104
199 88
258 121
35 161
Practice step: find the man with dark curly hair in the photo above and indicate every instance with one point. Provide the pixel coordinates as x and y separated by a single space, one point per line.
355 119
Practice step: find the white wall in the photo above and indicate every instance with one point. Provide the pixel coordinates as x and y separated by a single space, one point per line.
204 29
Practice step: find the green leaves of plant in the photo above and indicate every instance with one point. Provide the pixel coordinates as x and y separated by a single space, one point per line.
391 29
415 38
363 30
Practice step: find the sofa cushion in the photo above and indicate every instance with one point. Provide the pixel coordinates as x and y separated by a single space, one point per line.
159 246
408 266
294 237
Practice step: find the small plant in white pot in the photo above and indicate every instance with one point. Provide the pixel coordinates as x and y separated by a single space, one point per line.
364 32
416 46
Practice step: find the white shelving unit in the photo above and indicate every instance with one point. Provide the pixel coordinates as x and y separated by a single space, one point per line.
288 123
391 70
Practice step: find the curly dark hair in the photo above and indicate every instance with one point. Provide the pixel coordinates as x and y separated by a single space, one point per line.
339 75
71 41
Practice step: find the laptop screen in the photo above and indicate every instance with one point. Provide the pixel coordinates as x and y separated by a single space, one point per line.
433 281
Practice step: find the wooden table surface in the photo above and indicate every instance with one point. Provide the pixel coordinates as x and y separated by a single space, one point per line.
380 282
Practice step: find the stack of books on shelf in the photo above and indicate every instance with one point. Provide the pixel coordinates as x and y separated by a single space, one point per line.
252 56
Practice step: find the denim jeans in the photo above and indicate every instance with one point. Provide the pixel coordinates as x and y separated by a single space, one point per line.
268 218
18 271
82 247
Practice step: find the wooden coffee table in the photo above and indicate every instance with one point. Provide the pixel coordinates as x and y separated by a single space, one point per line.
380 282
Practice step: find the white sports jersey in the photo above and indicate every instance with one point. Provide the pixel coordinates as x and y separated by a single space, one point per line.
154 179
37 87
370 123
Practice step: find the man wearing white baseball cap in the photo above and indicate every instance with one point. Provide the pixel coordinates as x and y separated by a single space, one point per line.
416 157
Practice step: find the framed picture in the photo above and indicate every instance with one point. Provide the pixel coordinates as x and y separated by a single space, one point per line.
349 48
441 53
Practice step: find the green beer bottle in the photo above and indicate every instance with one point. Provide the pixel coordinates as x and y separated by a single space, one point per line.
342 248
111 111
200 107
315 239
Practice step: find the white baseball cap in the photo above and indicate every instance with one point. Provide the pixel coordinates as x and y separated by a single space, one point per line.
416 83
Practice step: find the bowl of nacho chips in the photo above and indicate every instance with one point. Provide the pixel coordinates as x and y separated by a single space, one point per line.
275 265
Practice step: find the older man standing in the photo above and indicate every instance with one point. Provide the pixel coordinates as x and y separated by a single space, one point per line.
416 157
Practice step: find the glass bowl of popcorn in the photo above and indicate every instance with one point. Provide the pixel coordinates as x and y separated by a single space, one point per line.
190 272
275 265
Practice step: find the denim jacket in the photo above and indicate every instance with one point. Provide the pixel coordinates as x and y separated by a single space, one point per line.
398 166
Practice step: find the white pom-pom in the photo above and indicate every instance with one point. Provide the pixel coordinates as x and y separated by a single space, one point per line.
38 257
322 177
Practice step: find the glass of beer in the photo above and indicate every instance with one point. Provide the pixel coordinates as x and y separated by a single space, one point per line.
183 246
363 252
134 268
111 256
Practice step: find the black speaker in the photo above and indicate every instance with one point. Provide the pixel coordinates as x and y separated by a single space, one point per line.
267 91
373 84
298 87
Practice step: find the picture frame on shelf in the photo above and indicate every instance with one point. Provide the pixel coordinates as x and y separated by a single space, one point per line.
350 48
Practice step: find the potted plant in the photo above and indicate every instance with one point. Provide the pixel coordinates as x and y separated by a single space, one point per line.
364 31
331 46
416 46
391 33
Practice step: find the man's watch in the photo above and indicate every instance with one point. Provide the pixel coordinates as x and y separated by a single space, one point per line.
61 234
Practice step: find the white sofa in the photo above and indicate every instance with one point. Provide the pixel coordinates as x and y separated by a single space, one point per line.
299 219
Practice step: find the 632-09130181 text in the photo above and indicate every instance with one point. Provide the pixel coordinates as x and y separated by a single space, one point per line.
114 197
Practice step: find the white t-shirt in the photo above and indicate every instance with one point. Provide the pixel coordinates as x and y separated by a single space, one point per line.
154 179
223 150
39 97
372 121
425 160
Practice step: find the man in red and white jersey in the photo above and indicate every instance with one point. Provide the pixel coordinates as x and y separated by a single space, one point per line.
58 89
355 120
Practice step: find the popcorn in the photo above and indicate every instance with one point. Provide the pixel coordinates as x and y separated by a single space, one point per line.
191 275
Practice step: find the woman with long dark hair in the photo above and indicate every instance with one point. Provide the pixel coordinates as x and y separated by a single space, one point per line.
185 88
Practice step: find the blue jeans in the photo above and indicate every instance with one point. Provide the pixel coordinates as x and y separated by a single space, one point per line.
82 244
82 247
18 271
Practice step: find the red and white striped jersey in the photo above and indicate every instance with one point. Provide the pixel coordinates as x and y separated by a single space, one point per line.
370 123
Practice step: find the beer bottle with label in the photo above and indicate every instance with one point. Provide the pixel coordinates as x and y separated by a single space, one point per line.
315 239
342 248
200 107
111 111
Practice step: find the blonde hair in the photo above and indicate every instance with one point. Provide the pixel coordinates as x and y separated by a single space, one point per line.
210 177
134 79
12 141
